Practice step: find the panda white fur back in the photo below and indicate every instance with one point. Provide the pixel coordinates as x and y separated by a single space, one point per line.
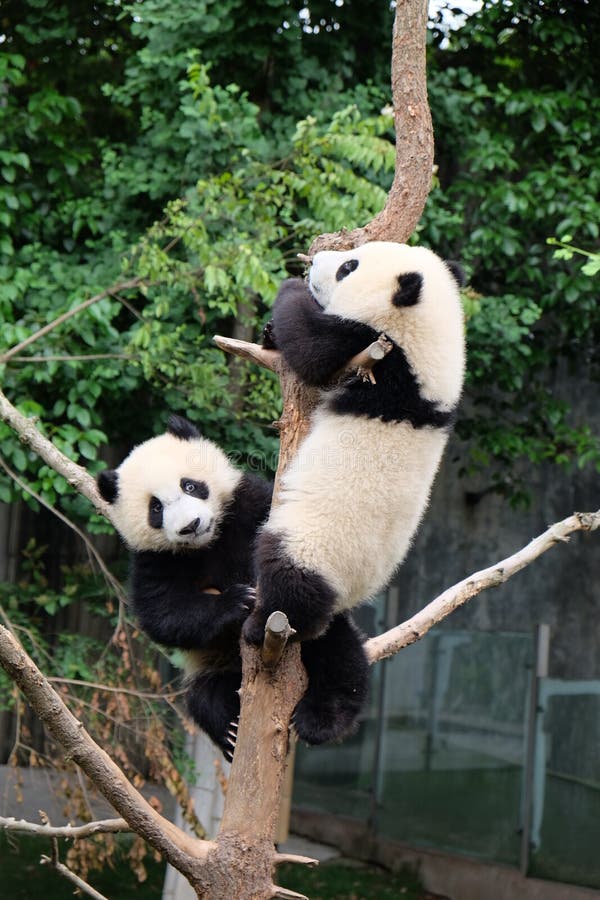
357 490
347 514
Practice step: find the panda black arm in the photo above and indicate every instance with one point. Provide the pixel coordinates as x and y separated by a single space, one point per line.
251 503
316 345
173 611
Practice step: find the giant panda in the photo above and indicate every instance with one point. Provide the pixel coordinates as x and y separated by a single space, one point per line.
353 496
190 519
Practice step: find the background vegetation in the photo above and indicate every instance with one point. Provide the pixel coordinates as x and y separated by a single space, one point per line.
190 151
198 149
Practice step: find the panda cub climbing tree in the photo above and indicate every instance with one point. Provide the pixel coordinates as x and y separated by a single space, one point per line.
353 497
190 519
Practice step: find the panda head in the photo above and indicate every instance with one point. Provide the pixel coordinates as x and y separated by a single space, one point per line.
171 492
408 293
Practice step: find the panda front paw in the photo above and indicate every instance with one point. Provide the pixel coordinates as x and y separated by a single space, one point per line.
244 594
268 337
240 599
254 627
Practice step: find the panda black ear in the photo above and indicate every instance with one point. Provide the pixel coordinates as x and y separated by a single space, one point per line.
457 272
409 289
108 485
181 428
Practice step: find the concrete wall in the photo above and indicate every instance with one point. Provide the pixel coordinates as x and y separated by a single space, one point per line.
562 588
459 878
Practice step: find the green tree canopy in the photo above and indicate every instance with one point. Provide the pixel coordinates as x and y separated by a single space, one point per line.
198 149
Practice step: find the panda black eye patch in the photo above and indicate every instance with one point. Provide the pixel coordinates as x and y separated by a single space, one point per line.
346 268
155 513
194 488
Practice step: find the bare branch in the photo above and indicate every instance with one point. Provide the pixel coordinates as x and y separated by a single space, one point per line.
102 826
169 696
286 894
29 434
89 357
363 362
418 625
271 359
283 858
72 877
120 286
268 359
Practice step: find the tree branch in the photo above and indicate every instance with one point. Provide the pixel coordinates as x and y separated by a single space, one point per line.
102 826
29 434
417 626
272 359
182 851
268 359
277 634
120 286
87 357
168 696
63 870
414 138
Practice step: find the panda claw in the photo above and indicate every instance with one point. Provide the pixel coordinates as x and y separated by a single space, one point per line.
234 724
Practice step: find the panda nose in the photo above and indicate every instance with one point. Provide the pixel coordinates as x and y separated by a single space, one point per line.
190 528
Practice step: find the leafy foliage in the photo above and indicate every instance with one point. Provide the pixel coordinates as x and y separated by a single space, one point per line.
513 98
214 255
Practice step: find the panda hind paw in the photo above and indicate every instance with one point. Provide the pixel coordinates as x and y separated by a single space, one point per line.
254 628
327 723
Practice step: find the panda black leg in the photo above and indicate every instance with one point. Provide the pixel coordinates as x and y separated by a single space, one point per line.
338 678
213 703
304 596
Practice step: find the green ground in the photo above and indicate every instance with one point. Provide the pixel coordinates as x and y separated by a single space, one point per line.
23 878
345 880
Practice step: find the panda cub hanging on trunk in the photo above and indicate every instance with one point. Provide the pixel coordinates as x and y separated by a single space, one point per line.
355 493
190 519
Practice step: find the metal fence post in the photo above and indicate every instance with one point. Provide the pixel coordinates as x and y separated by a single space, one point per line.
540 671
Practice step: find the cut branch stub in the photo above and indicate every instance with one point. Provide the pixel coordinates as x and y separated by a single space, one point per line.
268 359
363 362
277 633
